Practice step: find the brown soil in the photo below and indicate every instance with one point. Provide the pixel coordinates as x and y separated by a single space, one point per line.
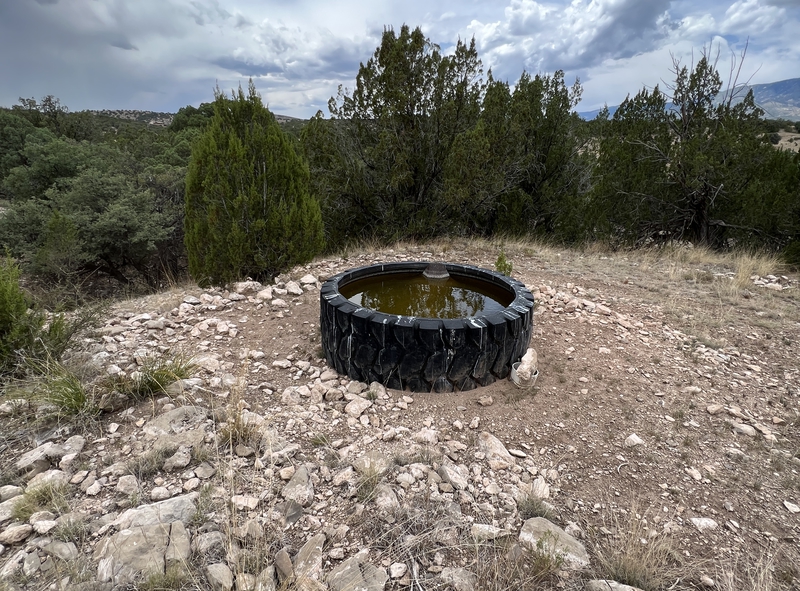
673 332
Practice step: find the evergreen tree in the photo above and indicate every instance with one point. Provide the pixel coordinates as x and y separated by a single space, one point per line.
379 161
517 171
249 211
694 165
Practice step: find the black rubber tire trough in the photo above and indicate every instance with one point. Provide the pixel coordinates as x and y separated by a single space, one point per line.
424 354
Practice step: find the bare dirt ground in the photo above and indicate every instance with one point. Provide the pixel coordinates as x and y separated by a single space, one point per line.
789 141
668 395
692 348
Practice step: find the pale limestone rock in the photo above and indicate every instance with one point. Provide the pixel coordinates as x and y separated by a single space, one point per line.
397 570
454 475
15 534
372 462
180 459
483 532
704 523
743 429
159 493
355 573
606 585
66 551
132 553
791 507
459 579
293 288
357 406
300 488
554 539
308 562
128 485
180 508
385 499
219 576
243 502
633 440
494 450
9 491
179 548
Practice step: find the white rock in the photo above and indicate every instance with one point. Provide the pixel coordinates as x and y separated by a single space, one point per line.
159 493
128 485
633 440
791 507
743 429
294 288
694 473
704 523
357 406
397 570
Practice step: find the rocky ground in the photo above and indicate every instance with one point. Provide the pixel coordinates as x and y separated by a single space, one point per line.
658 447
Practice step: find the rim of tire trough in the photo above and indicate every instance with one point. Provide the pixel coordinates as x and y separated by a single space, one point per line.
424 354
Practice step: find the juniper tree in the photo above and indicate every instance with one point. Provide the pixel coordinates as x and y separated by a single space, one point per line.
249 211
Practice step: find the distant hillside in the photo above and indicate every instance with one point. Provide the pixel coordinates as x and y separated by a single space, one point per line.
780 100
164 119
149 117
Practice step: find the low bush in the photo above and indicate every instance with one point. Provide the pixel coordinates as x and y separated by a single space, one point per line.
28 333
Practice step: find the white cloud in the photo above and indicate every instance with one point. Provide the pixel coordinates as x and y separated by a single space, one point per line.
162 54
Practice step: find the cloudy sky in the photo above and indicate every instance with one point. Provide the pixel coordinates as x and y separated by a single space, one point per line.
164 54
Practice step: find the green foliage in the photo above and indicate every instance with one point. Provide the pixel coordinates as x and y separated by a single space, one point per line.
378 163
79 208
13 131
699 170
192 117
28 336
248 210
154 376
502 264
13 315
61 388
792 253
515 171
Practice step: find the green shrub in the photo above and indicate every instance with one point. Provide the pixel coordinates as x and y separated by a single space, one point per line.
791 253
502 264
30 338
249 212
13 315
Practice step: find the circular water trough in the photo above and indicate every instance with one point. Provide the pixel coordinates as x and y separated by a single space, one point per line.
424 354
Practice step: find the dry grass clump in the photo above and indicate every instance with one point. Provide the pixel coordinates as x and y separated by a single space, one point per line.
762 572
639 556
532 506
57 386
151 462
154 376
525 569
45 497
367 483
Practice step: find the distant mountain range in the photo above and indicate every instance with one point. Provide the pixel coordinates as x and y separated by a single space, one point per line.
780 100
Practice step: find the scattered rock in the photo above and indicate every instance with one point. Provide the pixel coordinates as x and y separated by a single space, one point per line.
704 523
219 576
300 488
556 539
633 440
